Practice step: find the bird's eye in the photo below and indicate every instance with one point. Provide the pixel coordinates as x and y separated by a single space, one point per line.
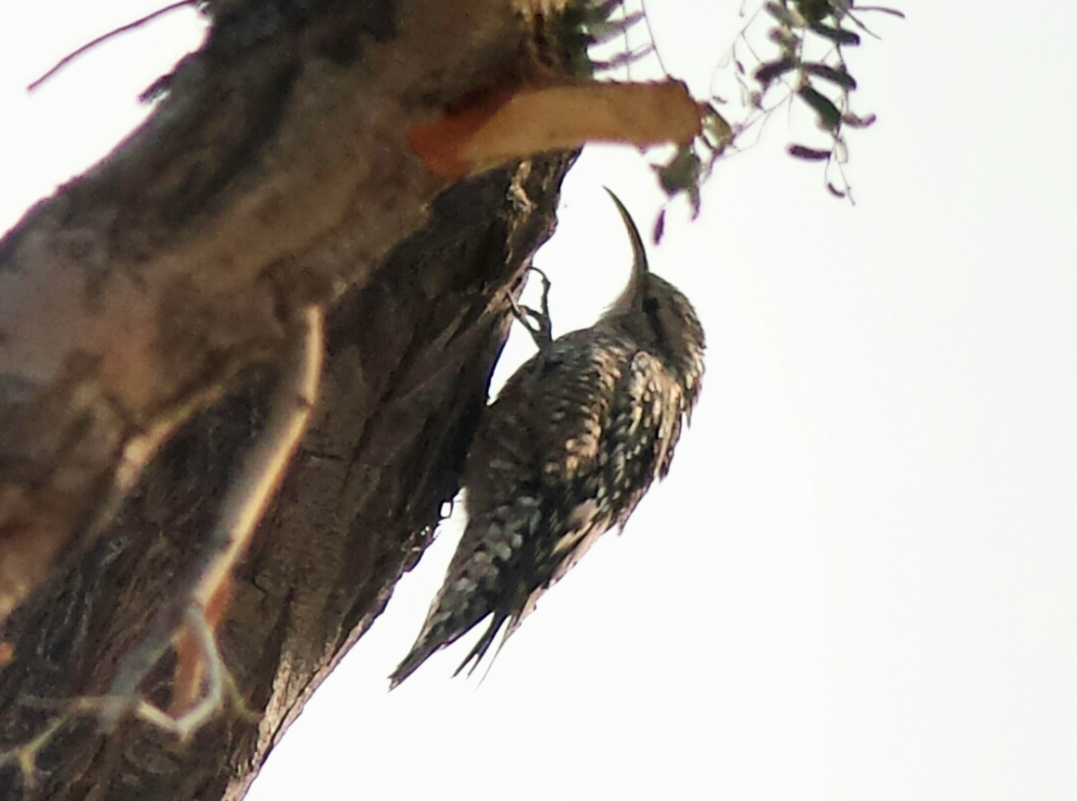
650 305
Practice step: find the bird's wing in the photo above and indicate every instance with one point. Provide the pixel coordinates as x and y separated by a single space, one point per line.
608 470
646 424
570 446
532 455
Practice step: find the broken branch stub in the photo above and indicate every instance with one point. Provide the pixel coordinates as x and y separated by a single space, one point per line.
498 126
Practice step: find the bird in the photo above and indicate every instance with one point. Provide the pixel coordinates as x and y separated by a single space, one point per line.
565 453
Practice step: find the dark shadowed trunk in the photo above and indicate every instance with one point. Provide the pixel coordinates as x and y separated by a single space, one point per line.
158 290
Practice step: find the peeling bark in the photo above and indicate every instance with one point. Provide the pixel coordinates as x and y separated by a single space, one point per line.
143 311
276 173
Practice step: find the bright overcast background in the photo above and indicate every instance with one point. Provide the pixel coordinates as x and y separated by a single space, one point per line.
859 580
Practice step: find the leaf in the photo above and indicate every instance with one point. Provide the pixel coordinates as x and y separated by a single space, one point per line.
891 11
783 37
775 69
836 35
718 134
659 227
825 71
854 121
808 153
784 15
605 30
823 106
682 174
814 10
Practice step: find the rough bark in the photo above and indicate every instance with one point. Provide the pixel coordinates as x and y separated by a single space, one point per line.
157 290
275 173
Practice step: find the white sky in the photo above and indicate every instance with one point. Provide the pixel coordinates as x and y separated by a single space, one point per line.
858 582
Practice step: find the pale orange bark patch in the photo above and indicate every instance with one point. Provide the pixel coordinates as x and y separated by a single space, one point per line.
499 127
190 667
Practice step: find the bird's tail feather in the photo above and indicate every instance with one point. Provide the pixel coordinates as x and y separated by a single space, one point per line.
436 634
480 648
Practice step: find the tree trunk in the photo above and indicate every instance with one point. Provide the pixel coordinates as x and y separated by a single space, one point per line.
157 291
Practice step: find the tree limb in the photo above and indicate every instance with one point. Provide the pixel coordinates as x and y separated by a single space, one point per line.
141 322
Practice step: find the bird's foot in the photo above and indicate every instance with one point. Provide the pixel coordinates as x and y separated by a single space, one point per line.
537 322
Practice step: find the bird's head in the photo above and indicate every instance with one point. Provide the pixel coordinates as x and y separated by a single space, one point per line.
659 316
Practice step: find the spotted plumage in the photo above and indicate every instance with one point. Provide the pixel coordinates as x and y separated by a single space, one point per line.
566 452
